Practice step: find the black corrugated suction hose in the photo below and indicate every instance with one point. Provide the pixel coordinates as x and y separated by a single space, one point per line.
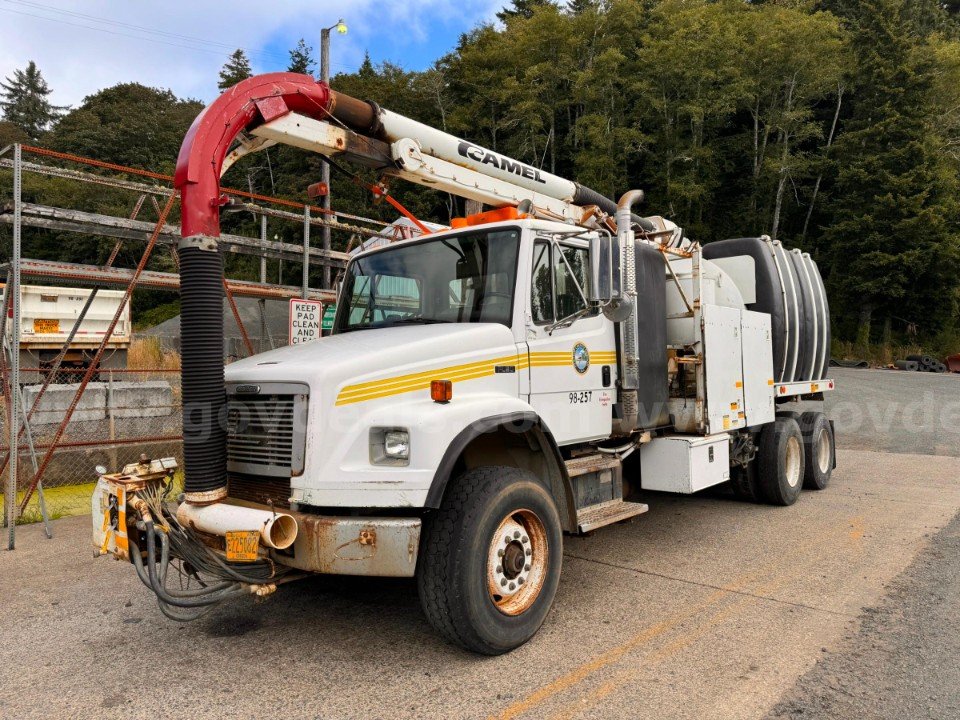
201 359
587 196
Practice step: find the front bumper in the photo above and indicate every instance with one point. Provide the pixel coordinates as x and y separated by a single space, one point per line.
342 545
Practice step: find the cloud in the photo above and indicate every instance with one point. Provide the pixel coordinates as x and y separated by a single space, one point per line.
180 45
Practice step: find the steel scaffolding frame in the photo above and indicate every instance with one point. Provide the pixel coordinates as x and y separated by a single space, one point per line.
19 214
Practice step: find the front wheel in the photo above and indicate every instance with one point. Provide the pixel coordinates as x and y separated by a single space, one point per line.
490 559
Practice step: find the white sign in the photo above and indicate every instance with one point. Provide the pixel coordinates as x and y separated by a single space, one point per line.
305 317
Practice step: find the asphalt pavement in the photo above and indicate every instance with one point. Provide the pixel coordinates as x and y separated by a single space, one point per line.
902 661
704 607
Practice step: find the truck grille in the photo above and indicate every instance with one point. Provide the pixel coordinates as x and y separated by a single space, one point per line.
260 490
266 431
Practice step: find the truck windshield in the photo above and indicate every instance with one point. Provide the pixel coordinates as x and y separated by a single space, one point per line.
466 278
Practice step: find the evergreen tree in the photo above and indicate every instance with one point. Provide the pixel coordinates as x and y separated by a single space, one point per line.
579 7
892 239
367 72
11 133
301 60
128 124
237 68
521 8
25 101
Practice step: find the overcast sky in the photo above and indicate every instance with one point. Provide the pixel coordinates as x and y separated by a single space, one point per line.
84 46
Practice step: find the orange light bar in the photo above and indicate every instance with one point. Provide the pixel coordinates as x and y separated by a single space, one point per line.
490 216
318 189
441 391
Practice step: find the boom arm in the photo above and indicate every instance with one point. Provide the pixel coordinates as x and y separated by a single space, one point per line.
408 160
294 109
312 116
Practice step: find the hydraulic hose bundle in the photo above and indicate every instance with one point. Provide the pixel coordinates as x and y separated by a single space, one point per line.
205 578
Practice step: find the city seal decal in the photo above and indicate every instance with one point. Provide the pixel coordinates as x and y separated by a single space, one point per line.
581 358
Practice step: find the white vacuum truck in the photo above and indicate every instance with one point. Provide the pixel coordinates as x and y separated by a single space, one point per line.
485 389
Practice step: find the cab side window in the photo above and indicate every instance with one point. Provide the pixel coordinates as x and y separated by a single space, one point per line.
541 285
568 276
558 270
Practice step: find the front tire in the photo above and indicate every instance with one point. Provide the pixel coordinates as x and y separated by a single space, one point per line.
490 559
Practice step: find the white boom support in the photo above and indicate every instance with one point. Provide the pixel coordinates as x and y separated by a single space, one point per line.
489 183
445 146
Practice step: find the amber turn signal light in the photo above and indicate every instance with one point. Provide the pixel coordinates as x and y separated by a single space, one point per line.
441 391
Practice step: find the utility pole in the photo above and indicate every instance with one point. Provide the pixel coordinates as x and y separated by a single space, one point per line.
341 29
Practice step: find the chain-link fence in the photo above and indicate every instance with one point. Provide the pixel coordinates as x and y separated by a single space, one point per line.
60 317
119 415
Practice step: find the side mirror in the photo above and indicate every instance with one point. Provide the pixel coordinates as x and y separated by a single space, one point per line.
606 278
602 253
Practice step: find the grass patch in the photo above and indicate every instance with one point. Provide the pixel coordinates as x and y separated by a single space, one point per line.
70 500
939 346
62 501
876 355
147 353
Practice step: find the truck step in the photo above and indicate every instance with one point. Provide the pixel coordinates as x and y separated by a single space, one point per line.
607 513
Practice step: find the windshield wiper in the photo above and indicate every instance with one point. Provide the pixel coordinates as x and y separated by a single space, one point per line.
413 320
416 320
567 321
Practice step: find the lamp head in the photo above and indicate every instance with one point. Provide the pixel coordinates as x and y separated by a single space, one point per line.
341 27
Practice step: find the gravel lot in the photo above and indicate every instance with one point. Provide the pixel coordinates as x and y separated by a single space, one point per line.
704 607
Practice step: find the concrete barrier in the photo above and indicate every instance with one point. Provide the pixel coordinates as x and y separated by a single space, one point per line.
153 398
57 398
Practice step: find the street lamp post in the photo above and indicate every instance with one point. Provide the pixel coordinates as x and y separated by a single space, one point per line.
341 29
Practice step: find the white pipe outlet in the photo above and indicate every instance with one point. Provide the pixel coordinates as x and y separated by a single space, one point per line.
277 530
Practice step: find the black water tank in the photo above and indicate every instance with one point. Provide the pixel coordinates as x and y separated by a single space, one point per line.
789 289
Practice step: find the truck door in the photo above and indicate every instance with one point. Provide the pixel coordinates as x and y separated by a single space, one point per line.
573 364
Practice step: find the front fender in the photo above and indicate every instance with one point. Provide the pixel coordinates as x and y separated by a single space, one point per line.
346 476
521 420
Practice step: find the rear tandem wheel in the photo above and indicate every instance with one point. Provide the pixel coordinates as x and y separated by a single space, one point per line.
780 461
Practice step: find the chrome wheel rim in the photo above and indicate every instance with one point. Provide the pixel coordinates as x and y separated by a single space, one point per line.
823 452
792 464
517 562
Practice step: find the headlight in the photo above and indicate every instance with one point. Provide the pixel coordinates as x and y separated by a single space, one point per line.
396 444
389 446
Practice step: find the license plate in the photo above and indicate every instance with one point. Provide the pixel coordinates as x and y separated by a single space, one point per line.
242 545
46 327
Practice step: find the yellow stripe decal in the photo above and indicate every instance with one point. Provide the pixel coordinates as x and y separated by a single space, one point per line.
384 387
